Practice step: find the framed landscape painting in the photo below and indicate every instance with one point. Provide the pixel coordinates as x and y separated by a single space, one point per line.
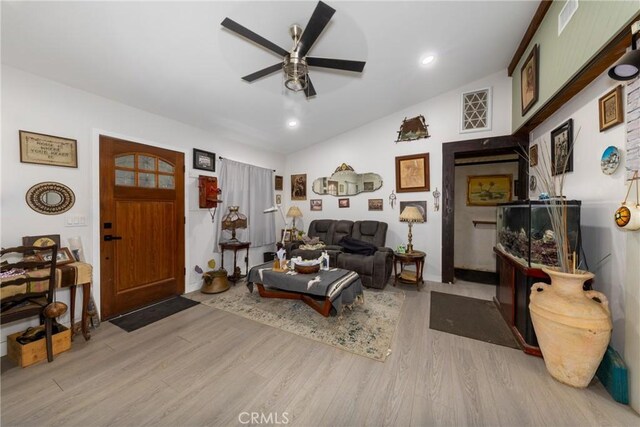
488 190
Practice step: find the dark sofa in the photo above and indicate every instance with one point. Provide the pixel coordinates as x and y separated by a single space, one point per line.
374 270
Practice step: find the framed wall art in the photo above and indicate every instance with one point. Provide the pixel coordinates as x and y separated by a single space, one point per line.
412 173
375 204
299 187
315 204
476 110
529 81
285 235
278 199
343 203
488 190
279 183
610 109
562 148
533 155
49 150
204 160
420 204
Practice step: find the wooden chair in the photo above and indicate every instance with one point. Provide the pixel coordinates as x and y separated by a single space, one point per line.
23 300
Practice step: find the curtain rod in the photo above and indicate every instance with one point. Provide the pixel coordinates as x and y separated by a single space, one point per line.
222 158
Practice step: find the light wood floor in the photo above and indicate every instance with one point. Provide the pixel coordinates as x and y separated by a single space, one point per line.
205 367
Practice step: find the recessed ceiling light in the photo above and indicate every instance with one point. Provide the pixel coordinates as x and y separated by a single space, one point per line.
427 60
292 123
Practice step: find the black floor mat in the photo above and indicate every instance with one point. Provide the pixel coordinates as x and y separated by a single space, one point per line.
138 319
471 318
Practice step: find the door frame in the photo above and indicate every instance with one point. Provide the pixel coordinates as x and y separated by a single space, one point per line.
449 151
95 201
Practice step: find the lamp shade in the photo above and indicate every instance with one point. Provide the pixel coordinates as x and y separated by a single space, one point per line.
294 212
411 214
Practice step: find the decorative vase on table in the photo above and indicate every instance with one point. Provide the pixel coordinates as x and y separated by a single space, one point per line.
573 326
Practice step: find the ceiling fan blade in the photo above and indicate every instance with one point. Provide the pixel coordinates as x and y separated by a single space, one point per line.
247 33
309 90
319 19
264 72
338 64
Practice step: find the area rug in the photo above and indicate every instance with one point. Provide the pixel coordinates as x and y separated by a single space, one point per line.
146 316
471 318
366 329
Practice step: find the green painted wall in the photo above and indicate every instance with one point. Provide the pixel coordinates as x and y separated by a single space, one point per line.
561 57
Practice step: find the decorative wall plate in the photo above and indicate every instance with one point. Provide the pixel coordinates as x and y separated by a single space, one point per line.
533 182
50 198
610 160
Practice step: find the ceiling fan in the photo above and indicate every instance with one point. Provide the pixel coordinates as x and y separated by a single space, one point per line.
296 63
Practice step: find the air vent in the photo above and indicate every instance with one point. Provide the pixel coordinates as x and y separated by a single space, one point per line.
476 111
566 14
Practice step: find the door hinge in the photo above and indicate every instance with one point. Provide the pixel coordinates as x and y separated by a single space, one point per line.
185 271
185 220
184 168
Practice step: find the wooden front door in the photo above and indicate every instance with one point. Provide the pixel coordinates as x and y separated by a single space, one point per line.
141 225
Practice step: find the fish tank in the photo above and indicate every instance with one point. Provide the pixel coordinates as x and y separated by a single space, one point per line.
524 231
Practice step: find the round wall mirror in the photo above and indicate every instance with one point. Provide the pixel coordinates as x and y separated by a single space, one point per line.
50 198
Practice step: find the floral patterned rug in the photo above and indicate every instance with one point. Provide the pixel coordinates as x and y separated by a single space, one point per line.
365 329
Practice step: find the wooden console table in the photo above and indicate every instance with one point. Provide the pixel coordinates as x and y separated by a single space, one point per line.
235 246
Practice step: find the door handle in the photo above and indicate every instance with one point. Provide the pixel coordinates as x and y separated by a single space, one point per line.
109 237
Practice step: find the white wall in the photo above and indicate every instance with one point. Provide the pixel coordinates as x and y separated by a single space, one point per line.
617 277
371 148
39 105
473 246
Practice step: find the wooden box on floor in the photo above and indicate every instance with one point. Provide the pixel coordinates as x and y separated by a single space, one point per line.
34 352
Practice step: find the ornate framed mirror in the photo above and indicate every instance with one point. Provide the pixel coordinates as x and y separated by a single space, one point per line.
50 198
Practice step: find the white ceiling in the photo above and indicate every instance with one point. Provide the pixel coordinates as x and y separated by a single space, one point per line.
174 59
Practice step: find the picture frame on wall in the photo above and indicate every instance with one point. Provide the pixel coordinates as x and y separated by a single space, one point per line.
412 173
489 190
375 204
279 183
533 155
421 205
562 148
42 149
610 109
343 203
204 160
278 199
315 204
529 81
299 186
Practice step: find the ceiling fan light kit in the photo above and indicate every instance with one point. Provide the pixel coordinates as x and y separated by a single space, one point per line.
296 63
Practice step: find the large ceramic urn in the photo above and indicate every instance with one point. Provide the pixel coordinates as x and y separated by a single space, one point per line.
573 326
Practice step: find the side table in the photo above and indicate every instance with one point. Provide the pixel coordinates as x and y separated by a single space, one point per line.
406 276
235 246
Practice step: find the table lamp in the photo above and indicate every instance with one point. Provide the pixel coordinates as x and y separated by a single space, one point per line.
294 212
234 220
411 214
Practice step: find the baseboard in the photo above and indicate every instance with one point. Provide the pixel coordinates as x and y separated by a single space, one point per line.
477 276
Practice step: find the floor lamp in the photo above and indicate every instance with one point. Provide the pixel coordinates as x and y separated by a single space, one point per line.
278 209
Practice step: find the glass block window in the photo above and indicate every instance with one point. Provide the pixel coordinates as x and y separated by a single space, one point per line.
144 170
476 110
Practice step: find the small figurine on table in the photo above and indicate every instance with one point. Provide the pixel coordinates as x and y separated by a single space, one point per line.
281 255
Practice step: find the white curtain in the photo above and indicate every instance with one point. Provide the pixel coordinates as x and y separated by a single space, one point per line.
251 189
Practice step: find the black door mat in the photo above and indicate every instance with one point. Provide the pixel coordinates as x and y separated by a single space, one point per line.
146 316
471 318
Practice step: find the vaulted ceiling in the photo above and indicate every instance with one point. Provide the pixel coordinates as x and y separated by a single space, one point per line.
174 58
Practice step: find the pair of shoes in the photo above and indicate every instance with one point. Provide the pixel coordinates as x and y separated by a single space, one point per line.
31 334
